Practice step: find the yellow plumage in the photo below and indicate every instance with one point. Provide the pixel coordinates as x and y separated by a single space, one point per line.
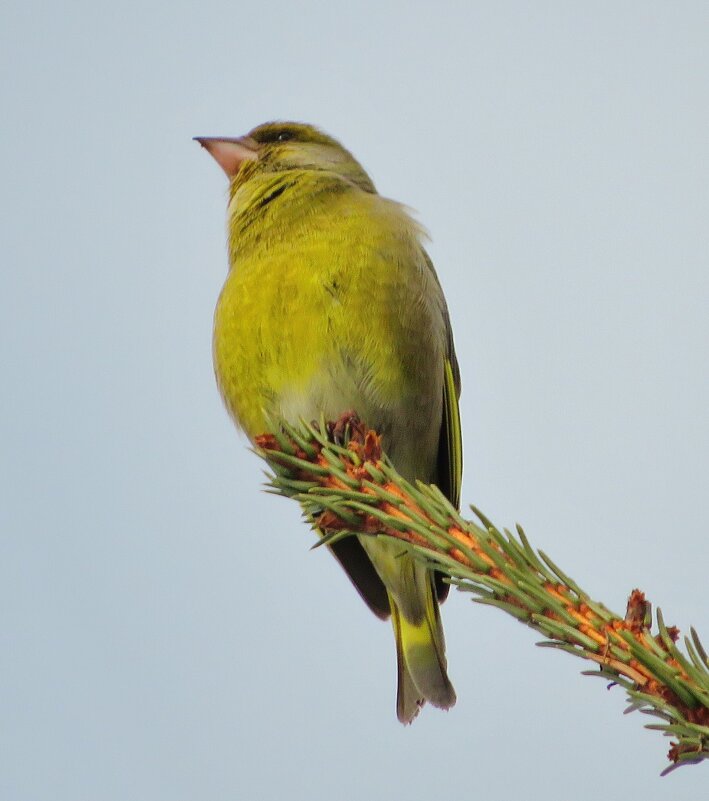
332 304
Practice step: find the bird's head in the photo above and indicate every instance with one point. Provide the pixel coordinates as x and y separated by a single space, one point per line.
283 146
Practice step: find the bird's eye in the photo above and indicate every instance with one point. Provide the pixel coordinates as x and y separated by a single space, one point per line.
284 136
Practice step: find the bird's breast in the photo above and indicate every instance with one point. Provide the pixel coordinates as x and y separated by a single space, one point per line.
328 322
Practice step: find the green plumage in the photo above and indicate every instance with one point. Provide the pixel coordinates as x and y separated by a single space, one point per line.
332 304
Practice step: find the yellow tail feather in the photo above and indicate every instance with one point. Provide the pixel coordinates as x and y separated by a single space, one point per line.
421 661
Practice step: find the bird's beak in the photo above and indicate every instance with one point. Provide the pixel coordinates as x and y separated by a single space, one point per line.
230 154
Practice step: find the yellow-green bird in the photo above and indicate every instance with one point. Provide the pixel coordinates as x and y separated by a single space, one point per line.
332 304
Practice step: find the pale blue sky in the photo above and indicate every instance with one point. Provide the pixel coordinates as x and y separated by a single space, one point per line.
165 632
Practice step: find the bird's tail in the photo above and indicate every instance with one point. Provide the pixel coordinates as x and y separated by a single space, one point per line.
421 658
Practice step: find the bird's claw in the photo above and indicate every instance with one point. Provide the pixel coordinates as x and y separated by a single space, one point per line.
347 428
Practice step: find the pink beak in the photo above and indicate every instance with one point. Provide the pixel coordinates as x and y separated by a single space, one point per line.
230 154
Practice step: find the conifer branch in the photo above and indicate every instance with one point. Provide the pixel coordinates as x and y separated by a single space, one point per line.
352 488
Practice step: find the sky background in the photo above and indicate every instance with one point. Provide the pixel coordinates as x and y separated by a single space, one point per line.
165 632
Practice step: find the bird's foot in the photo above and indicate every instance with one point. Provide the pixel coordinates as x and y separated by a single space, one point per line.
347 428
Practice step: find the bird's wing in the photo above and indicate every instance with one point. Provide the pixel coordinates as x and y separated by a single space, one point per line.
449 465
450 444
360 570
449 469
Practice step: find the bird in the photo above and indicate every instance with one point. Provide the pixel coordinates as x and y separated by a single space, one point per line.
331 303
